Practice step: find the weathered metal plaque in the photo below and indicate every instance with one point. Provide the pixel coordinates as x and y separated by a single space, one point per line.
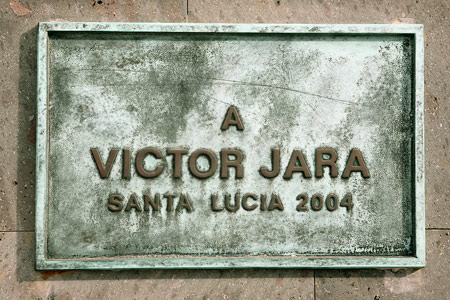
229 146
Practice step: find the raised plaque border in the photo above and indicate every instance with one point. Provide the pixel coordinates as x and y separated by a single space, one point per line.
417 260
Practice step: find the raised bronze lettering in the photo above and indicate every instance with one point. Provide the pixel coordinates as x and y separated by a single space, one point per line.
133 203
347 202
177 153
126 170
148 200
302 205
104 170
355 163
212 163
275 165
322 162
169 198
297 163
214 206
115 202
262 200
225 163
232 118
275 202
230 207
184 202
245 204
140 162
332 202
317 202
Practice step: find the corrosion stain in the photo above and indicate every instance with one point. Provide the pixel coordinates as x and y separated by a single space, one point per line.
2 275
31 136
49 274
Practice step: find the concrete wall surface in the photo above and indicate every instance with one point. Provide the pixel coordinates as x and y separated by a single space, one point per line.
19 280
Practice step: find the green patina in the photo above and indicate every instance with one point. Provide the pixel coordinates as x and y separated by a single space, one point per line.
169 85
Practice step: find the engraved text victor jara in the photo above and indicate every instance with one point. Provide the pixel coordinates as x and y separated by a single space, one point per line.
225 160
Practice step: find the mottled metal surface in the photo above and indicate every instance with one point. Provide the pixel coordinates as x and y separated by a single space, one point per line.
296 87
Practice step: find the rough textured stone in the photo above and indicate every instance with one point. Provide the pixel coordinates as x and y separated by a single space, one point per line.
18 280
428 283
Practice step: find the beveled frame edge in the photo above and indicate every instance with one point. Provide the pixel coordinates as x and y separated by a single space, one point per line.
41 148
419 145
339 262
